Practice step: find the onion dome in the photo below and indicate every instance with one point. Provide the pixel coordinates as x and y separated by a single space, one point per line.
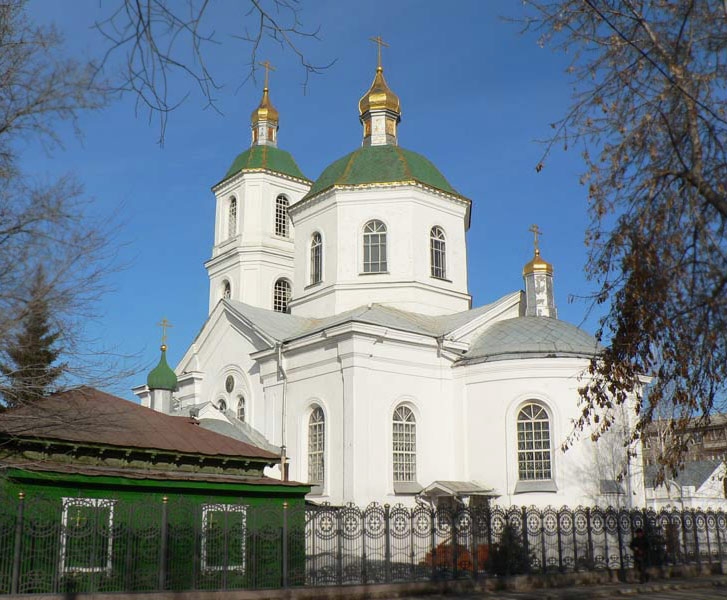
537 265
162 377
379 97
265 111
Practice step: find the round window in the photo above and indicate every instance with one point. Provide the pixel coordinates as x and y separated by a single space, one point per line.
230 383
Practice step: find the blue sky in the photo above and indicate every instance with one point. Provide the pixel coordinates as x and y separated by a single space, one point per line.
476 96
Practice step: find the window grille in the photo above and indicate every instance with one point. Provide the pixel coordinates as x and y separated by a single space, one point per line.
281 296
316 446
533 443
438 253
374 247
316 258
404 444
223 537
87 535
281 216
232 218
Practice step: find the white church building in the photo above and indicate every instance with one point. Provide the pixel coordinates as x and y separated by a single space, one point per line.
341 332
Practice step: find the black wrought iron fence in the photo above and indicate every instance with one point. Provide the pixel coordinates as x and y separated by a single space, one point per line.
51 544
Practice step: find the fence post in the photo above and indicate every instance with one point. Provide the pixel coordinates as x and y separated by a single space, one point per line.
706 533
339 547
285 544
17 549
455 540
364 570
387 544
684 536
163 545
590 558
526 539
719 537
542 541
560 543
619 534
696 537
433 517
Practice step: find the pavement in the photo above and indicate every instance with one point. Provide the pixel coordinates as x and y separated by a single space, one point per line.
697 588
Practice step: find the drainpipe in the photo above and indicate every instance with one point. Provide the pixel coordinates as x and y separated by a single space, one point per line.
283 457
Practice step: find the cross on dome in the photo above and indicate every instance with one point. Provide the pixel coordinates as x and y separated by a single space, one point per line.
379 109
264 119
379 42
164 324
536 231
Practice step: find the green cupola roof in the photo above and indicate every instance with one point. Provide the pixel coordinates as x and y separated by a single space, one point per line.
265 158
162 377
381 164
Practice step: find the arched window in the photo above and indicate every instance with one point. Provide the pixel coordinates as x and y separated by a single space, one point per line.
533 443
232 218
316 446
316 258
281 216
226 289
241 408
281 296
222 405
404 441
438 253
374 247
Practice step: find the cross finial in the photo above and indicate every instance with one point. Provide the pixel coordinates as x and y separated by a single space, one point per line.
535 230
268 67
379 42
164 324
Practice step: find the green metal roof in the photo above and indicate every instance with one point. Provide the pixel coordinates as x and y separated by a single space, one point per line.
381 164
265 157
162 377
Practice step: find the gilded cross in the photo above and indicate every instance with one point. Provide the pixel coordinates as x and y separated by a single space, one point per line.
268 67
535 230
164 324
379 42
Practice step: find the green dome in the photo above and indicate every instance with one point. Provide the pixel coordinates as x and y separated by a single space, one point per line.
268 158
162 377
381 164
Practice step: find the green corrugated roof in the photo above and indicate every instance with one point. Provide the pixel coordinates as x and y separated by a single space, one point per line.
265 157
381 164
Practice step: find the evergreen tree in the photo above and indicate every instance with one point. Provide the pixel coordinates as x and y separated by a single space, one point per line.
29 368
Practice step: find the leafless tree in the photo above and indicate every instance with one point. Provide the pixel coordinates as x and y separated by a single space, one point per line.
161 40
649 116
43 223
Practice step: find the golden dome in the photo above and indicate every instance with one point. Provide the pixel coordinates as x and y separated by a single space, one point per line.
537 265
266 111
379 97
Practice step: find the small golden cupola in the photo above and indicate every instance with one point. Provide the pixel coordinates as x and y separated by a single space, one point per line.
538 276
379 108
264 119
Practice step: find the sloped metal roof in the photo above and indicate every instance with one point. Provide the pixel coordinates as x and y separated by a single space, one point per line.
693 473
531 337
89 416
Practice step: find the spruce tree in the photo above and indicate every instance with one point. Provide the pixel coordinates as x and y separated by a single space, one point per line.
29 368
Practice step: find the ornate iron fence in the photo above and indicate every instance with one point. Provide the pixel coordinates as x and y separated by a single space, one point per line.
51 544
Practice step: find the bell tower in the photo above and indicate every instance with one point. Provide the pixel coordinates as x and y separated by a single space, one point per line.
252 256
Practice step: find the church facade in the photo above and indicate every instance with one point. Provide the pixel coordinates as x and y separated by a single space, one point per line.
341 332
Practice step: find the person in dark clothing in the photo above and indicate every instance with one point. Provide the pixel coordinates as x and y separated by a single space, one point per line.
640 547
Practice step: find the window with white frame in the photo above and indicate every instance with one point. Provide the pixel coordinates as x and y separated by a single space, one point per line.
316 446
223 537
374 247
232 217
533 443
281 216
438 253
241 408
87 534
316 258
281 295
404 442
